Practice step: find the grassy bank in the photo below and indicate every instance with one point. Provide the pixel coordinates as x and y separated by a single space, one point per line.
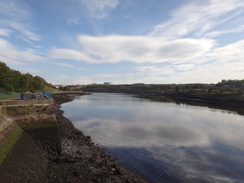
9 144
36 126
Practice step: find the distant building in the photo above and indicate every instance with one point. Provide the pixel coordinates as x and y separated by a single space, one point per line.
107 83
71 87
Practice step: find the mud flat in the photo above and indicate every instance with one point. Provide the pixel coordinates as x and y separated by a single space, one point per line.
52 150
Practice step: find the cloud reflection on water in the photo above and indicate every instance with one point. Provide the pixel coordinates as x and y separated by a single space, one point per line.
190 141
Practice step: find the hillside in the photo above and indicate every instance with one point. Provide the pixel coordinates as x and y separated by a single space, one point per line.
14 81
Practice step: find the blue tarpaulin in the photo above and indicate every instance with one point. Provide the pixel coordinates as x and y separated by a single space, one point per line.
47 94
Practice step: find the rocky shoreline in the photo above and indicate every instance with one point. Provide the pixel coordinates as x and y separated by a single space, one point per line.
61 154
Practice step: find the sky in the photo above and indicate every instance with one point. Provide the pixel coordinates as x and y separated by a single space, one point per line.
124 41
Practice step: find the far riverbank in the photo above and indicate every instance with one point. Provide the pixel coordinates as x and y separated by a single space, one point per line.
227 104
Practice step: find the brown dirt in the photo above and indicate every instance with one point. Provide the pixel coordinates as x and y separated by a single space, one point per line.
61 154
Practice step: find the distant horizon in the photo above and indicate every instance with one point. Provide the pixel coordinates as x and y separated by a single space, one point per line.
103 82
123 41
141 83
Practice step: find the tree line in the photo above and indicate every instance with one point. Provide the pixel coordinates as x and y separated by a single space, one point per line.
14 81
231 83
231 89
144 88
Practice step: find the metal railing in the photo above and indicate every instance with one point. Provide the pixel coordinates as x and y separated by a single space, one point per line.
19 96
10 96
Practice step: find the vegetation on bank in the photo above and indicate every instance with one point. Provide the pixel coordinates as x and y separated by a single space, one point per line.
39 125
13 81
226 89
9 144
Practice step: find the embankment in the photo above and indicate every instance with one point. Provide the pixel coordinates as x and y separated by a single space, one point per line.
38 144
212 102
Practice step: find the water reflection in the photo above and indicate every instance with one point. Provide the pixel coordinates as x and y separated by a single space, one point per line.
164 141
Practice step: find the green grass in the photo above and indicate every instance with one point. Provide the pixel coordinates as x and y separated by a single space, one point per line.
9 144
9 96
42 125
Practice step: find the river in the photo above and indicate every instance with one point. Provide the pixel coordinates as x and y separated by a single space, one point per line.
164 141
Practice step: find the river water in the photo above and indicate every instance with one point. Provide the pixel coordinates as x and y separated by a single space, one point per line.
164 141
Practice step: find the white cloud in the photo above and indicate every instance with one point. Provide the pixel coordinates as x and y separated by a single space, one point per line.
11 54
138 49
73 20
64 64
198 17
84 80
82 69
91 9
219 33
68 54
220 63
4 32
65 77
26 30
183 46
184 67
14 8
6 45
32 71
16 16
99 9
114 75
155 70
211 73
229 53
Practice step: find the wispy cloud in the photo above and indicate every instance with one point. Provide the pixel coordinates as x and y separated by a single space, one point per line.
138 49
99 9
27 32
220 33
183 46
32 71
10 54
84 80
65 77
91 9
64 64
198 17
16 16
82 69
68 54
4 32
111 76
14 8
155 70
220 63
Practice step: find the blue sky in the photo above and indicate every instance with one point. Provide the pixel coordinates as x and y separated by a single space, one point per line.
124 41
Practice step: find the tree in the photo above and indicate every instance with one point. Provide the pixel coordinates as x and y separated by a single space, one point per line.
14 81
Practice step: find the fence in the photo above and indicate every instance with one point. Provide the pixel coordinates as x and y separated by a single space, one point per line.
10 96
26 96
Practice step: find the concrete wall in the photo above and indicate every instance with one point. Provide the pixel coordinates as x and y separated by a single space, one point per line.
27 102
10 133
12 126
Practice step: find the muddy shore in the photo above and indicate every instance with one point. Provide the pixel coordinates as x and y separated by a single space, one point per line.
225 104
61 154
